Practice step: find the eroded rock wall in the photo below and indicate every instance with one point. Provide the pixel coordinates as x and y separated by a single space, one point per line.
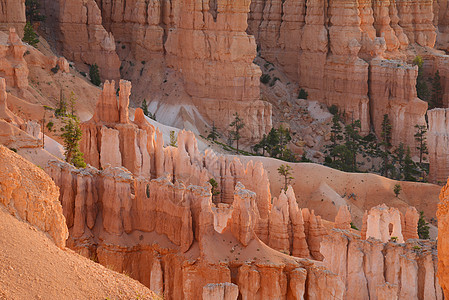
443 245
76 28
12 15
371 269
438 141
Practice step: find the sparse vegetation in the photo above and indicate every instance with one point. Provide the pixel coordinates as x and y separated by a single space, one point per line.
397 189
285 171
213 134
94 74
236 125
423 227
29 36
71 136
173 139
214 185
32 11
265 78
303 94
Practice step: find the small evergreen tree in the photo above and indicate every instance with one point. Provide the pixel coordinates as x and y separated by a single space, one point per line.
397 189
285 171
398 161
144 107
421 139
236 125
94 74
263 144
214 185
437 91
62 105
409 167
423 227
385 145
29 36
173 141
303 94
421 86
71 136
213 135
32 11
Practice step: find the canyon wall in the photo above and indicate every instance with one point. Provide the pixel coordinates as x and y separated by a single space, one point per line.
443 245
372 269
340 53
30 195
438 144
12 15
75 27
163 234
207 46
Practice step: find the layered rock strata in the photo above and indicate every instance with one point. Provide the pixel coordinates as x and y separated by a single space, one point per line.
385 224
13 15
443 245
371 269
76 26
30 195
331 53
438 141
158 224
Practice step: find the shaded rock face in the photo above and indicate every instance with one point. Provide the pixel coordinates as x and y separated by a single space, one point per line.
336 51
30 195
371 269
207 46
438 141
130 213
14 67
159 224
443 245
13 15
78 33
384 223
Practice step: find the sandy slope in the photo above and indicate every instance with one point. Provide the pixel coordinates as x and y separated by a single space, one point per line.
32 267
325 190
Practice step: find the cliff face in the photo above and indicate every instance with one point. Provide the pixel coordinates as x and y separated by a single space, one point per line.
443 246
341 54
371 269
30 195
207 46
438 141
13 15
77 30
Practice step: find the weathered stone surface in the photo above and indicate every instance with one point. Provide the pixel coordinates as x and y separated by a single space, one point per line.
438 141
13 15
443 241
76 26
371 269
30 195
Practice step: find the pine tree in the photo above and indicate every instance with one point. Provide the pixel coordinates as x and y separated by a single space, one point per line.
173 141
285 171
421 139
71 136
409 167
437 91
263 144
94 74
214 185
29 36
421 86
236 125
213 135
32 11
353 143
398 161
423 227
144 107
385 145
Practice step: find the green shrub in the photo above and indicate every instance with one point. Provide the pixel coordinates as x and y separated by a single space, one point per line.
94 74
30 36
303 94
265 78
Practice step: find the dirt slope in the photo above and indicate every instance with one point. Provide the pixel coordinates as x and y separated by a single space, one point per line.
32 267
